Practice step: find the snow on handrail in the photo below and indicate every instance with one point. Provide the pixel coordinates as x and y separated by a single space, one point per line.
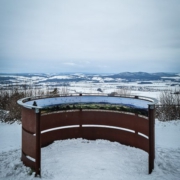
40 102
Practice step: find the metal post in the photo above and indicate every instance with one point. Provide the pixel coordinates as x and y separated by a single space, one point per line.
151 114
80 123
38 143
80 120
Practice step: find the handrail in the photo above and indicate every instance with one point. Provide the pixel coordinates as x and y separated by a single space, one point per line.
22 102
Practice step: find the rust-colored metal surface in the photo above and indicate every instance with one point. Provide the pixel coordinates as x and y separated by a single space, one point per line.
60 134
28 144
128 121
142 143
28 162
28 120
58 119
88 124
117 119
31 139
151 137
142 125
38 143
120 136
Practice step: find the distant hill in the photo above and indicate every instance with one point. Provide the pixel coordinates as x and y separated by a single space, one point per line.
143 76
66 78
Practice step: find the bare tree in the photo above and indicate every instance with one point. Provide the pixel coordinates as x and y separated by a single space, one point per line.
169 107
64 91
125 91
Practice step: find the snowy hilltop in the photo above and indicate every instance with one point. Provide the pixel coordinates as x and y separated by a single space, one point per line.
101 159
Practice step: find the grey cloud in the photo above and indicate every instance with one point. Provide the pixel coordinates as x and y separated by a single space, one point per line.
101 32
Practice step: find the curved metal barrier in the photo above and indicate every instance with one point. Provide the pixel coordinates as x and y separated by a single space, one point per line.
41 129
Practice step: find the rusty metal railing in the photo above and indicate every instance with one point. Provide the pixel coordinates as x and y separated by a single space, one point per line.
41 129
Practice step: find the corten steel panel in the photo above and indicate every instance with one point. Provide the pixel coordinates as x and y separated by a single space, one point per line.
121 136
102 118
124 137
108 118
142 143
29 120
28 162
93 133
28 144
95 117
60 134
60 119
128 121
142 125
90 133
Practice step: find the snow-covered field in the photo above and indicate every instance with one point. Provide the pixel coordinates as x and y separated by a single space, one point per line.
88 83
79 159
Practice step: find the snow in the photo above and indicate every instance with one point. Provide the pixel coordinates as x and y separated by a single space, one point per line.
108 79
93 160
10 136
171 77
96 78
154 95
168 130
60 77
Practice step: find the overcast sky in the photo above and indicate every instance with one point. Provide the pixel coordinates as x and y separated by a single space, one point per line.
89 36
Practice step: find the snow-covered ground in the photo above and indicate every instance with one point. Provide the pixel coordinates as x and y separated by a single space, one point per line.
79 159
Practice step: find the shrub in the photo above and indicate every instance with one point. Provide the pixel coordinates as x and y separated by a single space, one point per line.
10 111
169 107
